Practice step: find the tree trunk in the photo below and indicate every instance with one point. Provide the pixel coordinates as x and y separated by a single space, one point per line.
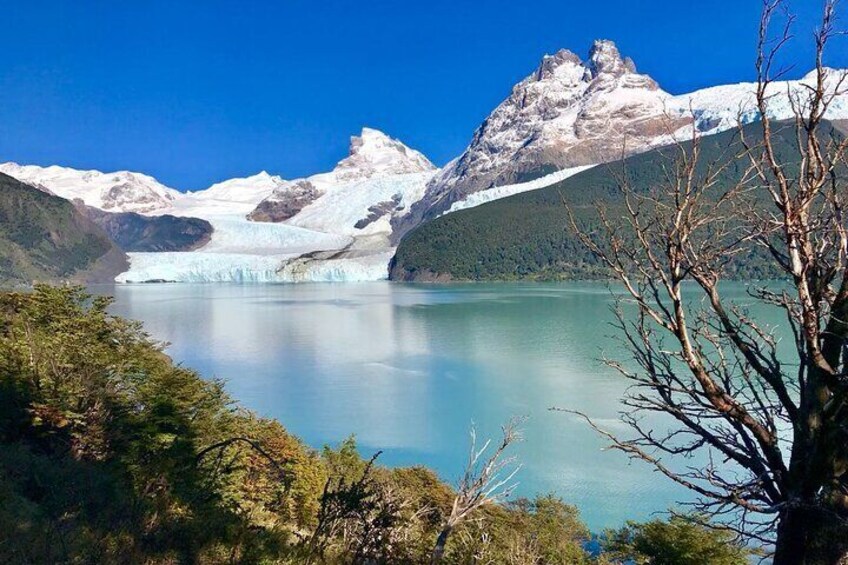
808 538
441 541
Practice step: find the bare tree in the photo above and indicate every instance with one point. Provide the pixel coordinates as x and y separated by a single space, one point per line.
765 437
486 480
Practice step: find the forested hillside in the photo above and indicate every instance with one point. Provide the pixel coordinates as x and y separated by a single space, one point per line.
529 236
44 238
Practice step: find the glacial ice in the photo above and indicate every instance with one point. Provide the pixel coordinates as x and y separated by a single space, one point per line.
239 251
203 267
198 266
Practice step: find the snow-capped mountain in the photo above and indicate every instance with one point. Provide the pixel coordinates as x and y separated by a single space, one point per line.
121 191
330 226
567 113
571 113
373 156
248 190
373 153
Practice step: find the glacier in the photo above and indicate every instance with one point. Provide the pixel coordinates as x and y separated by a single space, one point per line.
328 240
243 251
239 251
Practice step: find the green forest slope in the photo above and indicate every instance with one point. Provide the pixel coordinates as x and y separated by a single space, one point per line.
528 236
44 238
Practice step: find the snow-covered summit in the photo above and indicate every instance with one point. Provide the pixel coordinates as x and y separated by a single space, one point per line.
120 191
604 58
375 153
379 173
252 189
573 113
567 113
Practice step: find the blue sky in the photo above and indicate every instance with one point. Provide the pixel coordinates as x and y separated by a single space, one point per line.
194 92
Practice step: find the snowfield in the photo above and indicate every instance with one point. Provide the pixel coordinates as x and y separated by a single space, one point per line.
342 206
121 191
482 197
720 108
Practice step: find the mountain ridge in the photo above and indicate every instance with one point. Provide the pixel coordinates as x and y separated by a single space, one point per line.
45 238
530 236
569 112
567 115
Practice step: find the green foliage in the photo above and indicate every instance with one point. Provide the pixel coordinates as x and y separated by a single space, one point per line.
109 449
529 236
678 541
524 532
111 453
43 237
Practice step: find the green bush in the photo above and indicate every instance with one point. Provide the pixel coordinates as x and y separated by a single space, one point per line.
678 541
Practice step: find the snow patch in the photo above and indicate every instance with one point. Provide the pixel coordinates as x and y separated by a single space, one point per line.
120 191
478 198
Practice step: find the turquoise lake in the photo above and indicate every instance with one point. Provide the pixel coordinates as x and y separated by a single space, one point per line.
409 368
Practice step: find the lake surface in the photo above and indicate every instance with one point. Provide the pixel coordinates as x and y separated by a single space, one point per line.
408 368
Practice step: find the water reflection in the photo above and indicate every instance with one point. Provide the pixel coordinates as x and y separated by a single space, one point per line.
407 369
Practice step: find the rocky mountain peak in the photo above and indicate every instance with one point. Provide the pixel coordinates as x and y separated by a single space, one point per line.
568 113
605 58
373 152
552 64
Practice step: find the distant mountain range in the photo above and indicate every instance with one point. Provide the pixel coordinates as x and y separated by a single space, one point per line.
565 117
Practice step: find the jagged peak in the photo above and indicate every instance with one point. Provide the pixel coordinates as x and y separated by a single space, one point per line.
371 133
373 140
551 63
605 58
373 152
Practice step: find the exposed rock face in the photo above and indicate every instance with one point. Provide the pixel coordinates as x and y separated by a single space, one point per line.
379 210
567 113
134 232
127 193
285 202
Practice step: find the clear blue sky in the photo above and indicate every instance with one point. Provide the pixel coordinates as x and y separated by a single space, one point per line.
195 92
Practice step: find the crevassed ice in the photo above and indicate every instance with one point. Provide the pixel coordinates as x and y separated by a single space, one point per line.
201 267
198 266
